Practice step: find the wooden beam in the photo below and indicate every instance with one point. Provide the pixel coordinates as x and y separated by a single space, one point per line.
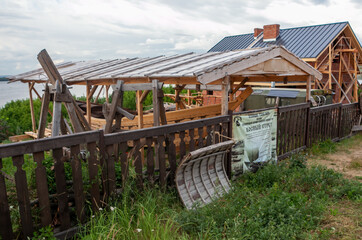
44 112
156 109
240 85
340 77
139 109
72 108
225 95
31 85
162 107
99 93
341 89
36 92
308 89
355 92
113 108
144 95
57 112
330 66
89 109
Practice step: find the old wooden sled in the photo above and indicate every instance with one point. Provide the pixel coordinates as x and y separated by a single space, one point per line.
201 176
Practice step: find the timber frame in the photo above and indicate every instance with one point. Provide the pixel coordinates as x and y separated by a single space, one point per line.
339 65
229 71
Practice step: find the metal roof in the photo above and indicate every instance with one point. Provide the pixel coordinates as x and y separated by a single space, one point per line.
305 42
205 67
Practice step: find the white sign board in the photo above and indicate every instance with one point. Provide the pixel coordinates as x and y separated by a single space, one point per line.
255 135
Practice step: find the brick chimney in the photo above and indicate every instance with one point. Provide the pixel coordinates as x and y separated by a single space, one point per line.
271 32
257 32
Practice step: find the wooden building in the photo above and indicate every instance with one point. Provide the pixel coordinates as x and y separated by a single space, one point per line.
333 49
230 71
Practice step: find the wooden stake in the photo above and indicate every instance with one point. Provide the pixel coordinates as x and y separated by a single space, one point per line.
355 92
44 112
113 109
31 85
57 111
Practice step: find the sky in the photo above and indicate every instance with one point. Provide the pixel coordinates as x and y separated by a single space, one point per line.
73 30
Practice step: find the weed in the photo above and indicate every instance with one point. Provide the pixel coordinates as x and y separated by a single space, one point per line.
44 233
325 147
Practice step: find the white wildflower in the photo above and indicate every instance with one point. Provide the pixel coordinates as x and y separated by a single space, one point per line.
100 209
113 208
138 229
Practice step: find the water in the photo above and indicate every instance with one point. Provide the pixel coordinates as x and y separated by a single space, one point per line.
19 90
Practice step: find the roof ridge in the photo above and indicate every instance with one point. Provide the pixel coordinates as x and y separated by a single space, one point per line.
318 25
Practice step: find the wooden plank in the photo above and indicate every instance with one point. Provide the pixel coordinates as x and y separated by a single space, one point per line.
111 173
172 155
200 132
44 112
6 231
150 160
161 160
42 189
78 182
62 192
138 164
13 149
240 85
208 136
22 193
192 140
182 144
93 168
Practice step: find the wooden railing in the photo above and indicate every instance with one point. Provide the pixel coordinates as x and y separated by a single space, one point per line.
300 126
90 167
93 158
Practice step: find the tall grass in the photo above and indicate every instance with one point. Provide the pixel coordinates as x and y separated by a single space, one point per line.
284 201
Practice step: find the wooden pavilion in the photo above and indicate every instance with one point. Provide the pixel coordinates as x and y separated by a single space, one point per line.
230 70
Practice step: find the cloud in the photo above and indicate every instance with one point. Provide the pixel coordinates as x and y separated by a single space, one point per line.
94 29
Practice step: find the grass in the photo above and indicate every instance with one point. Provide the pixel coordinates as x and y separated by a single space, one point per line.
284 201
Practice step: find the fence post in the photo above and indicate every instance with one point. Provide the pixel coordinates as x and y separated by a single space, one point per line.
102 162
340 122
230 135
307 141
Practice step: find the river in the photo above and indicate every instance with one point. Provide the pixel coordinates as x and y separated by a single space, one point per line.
19 90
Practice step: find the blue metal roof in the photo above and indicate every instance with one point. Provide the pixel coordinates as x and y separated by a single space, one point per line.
305 42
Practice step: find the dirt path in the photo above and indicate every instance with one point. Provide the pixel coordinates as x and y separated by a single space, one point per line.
346 160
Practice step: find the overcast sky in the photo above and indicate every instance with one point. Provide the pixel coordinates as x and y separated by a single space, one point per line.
93 29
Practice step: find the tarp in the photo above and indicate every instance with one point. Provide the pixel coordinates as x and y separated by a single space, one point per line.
255 134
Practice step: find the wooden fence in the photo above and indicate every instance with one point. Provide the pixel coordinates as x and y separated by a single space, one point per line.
99 165
300 126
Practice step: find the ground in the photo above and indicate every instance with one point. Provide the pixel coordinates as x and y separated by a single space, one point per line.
344 219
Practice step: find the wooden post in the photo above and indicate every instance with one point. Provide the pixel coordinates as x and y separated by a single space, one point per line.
355 90
31 85
57 111
88 98
44 112
113 109
224 95
139 109
156 110
339 93
99 93
308 90
189 97
330 66
107 97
